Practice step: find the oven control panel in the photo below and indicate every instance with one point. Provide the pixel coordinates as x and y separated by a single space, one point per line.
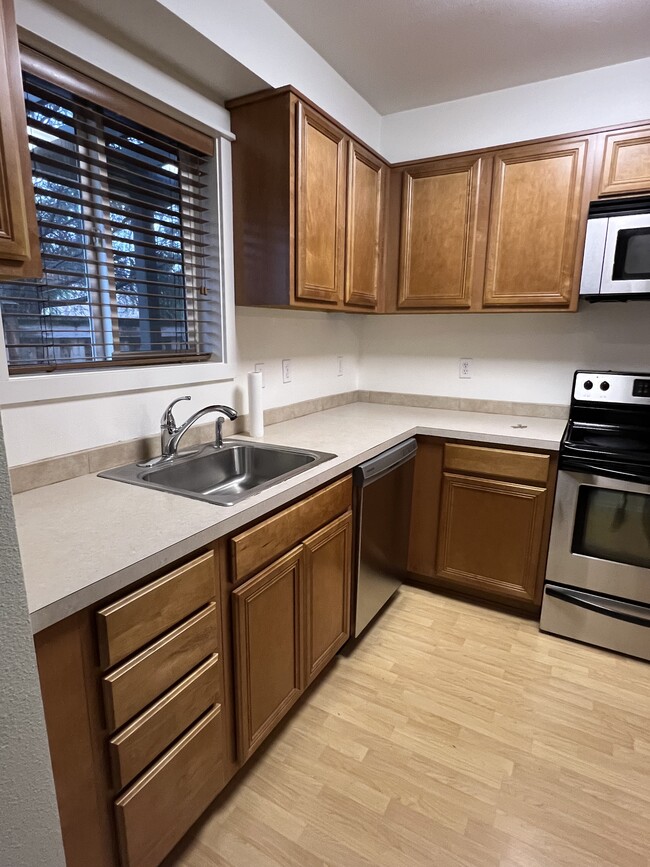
607 387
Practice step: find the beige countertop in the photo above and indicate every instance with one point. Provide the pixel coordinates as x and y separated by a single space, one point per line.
86 538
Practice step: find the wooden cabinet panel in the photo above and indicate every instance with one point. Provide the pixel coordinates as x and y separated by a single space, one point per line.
135 620
497 463
537 218
268 639
158 809
444 222
320 229
260 545
140 680
141 742
364 227
19 244
491 535
626 163
425 506
327 574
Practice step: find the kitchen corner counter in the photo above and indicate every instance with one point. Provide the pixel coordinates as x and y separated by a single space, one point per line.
86 538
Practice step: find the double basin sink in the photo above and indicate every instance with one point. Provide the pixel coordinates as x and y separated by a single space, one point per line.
223 476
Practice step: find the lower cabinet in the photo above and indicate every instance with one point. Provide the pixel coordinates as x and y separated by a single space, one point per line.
288 622
482 520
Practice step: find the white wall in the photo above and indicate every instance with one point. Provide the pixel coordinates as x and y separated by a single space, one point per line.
312 340
516 356
599 97
256 36
29 820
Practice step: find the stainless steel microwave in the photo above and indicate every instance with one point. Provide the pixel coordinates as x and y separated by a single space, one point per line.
616 262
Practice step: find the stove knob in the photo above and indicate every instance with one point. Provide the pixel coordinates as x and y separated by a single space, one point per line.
604 386
589 385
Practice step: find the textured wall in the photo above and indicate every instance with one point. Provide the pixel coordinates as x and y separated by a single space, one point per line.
29 821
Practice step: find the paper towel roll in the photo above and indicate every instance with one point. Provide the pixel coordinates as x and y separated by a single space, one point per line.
255 408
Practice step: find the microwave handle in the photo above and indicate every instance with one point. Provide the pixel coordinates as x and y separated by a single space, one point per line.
626 611
592 261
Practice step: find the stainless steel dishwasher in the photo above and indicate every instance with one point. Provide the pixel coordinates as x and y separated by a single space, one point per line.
382 494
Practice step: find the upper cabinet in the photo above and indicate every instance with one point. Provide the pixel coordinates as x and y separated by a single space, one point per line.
538 216
494 230
444 232
19 244
308 208
626 162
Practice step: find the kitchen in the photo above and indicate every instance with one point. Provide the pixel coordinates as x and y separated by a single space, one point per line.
524 358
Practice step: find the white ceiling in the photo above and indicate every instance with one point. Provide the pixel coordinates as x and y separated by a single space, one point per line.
402 54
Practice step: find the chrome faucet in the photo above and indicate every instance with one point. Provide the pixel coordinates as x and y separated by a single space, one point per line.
171 434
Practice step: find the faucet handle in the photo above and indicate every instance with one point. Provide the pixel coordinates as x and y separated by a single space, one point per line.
167 422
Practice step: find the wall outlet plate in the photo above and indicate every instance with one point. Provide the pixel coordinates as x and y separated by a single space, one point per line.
286 370
339 365
465 368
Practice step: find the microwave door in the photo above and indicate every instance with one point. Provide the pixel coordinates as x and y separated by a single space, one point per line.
592 263
626 262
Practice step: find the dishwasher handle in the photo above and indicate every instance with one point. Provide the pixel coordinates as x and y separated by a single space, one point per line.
374 469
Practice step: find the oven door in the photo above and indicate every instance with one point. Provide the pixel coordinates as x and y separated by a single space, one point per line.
626 261
600 536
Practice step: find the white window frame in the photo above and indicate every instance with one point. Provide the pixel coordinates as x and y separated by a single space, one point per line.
35 387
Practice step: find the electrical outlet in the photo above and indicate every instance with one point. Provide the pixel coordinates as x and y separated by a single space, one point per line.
259 368
465 368
339 365
286 370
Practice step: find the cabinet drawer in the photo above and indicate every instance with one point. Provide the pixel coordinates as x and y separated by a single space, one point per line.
161 806
137 745
260 545
133 621
136 683
497 463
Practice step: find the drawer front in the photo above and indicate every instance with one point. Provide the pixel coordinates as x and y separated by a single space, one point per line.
129 624
254 549
497 463
135 684
154 813
140 743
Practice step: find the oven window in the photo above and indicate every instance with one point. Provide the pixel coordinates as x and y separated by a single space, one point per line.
632 257
613 525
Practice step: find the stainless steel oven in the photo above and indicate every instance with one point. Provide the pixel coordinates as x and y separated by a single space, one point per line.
616 261
597 586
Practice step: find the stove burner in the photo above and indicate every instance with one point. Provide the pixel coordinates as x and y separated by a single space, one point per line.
616 444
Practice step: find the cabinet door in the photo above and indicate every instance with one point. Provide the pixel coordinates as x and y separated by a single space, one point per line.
19 245
320 230
268 640
444 222
366 184
327 569
490 535
626 163
537 218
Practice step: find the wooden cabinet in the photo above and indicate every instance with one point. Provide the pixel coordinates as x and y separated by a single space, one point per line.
19 244
625 162
497 230
292 616
308 208
537 220
444 233
268 632
481 520
139 682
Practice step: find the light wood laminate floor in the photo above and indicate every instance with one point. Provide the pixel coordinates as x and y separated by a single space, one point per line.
453 735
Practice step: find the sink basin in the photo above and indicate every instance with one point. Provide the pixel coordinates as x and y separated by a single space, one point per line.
222 476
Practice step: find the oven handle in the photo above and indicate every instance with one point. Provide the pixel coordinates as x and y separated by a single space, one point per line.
619 610
597 470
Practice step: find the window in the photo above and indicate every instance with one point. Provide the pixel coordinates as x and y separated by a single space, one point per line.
130 274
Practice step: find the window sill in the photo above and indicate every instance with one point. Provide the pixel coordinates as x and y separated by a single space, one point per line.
32 388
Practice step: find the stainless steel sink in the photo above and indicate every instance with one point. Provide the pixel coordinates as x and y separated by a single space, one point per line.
222 476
